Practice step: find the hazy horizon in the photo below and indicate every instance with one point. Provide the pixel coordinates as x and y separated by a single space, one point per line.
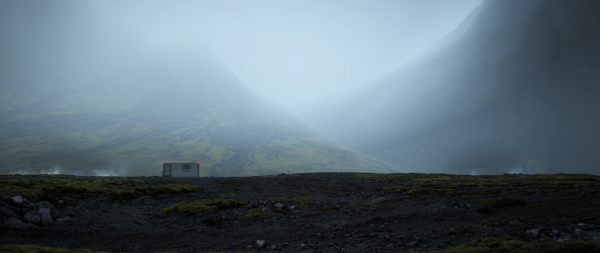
266 86
296 55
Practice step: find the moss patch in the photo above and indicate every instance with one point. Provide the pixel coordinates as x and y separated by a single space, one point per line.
42 189
419 188
226 195
463 185
370 175
203 205
257 212
499 245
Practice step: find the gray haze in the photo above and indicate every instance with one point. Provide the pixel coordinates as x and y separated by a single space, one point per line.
296 55
513 89
430 86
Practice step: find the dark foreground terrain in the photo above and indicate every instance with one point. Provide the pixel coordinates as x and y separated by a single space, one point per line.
319 212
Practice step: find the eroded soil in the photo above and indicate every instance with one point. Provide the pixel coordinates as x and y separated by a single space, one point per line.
318 212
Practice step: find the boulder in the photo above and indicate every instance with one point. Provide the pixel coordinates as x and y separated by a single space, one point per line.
15 223
11 211
54 212
32 216
17 199
46 216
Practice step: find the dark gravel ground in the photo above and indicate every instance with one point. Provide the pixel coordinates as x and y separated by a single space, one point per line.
343 213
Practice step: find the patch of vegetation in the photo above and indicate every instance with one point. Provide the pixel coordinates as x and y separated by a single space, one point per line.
418 189
463 185
257 212
490 220
329 192
42 189
226 195
298 201
370 175
42 249
203 205
124 132
500 245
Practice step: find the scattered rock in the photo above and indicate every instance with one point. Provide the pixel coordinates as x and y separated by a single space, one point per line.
46 216
32 216
533 232
577 232
15 223
17 199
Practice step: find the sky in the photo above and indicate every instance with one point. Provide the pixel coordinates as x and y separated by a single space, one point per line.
296 55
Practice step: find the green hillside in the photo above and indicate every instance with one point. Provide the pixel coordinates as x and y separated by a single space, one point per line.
66 108
112 133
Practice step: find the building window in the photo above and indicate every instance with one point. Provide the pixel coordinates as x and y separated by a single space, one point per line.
187 167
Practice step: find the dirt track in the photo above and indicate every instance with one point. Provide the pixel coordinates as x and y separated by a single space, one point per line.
344 212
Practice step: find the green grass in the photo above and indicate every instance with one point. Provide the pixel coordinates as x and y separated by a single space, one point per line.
257 212
457 185
203 206
226 195
499 245
15 248
43 189
113 135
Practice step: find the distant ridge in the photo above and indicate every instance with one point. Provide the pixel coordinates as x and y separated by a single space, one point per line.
74 101
513 88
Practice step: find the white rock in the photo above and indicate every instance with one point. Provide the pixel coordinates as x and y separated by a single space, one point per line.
532 232
17 199
260 243
63 219
46 216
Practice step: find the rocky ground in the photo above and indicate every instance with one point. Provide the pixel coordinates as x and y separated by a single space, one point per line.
319 212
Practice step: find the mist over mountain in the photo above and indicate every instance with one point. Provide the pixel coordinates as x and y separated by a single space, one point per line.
82 96
513 89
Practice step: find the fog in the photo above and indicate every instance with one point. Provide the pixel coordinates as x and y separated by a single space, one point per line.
259 87
296 55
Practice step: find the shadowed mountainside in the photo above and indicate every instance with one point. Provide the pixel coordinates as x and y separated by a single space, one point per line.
513 88
85 99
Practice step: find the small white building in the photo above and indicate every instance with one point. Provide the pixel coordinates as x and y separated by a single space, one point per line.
181 169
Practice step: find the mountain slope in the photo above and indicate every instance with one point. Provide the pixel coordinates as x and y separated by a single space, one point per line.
76 100
514 88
